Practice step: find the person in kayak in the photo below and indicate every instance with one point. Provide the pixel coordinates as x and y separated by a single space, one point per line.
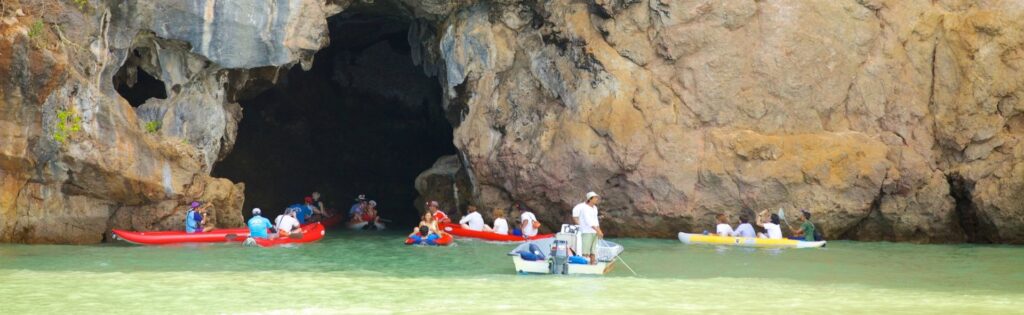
723 228
770 223
434 209
427 231
258 225
744 229
500 224
304 211
528 223
288 223
585 215
370 213
806 230
195 218
319 211
356 211
473 220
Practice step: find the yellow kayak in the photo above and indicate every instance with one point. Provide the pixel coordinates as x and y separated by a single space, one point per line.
688 238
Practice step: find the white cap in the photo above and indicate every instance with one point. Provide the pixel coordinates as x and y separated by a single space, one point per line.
373 202
256 211
591 195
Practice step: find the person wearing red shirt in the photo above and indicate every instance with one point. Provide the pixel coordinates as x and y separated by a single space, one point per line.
434 208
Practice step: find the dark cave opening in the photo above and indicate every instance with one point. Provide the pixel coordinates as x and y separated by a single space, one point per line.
134 84
966 211
363 120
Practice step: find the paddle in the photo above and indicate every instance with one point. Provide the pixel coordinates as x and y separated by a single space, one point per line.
782 214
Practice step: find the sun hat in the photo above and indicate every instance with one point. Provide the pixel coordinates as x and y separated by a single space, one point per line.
196 204
591 195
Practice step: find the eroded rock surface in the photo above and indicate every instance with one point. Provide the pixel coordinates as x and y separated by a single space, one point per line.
887 119
862 112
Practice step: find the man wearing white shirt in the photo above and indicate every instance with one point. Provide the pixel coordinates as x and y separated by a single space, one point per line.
527 220
288 224
585 215
472 220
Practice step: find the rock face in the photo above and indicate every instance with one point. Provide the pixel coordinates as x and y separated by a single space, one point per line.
886 119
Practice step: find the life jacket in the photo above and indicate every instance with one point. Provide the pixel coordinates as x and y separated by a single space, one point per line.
190 221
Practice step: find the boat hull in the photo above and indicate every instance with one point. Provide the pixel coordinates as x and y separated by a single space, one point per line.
180 237
310 233
444 240
457 230
361 226
688 238
542 267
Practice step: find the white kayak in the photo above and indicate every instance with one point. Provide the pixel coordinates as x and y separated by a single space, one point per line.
365 226
688 238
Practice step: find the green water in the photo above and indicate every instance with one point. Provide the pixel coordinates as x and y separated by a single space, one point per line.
373 273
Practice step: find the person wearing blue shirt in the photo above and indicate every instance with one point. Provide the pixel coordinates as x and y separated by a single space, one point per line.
303 210
357 209
194 218
258 226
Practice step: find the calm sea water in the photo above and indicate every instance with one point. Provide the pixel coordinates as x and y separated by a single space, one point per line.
351 273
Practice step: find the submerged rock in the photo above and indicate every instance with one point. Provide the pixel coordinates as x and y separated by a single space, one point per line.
887 120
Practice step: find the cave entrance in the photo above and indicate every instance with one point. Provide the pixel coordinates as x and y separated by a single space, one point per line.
363 120
135 84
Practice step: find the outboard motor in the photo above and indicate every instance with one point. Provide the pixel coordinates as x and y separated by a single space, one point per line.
560 253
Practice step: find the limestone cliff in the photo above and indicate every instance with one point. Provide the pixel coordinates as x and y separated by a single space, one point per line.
888 120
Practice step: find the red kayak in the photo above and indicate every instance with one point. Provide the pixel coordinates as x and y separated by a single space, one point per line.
310 233
457 230
178 237
444 240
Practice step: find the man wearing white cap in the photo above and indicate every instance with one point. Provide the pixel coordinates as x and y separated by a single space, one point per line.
585 215
258 225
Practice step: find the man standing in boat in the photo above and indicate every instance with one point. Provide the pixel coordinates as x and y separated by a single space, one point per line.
585 215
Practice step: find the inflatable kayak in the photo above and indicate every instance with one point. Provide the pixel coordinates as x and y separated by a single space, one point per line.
457 230
688 238
310 233
180 237
444 240
364 226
